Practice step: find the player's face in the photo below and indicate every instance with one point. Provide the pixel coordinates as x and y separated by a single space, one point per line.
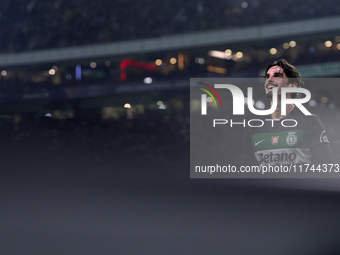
275 77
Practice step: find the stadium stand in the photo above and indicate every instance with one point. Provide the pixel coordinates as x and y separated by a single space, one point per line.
37 24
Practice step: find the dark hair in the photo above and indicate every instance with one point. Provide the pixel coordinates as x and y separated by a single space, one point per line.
290 71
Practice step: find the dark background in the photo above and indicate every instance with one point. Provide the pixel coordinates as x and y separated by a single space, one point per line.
74 182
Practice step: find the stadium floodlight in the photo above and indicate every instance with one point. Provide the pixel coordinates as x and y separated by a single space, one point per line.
328 44
292 44
260 105
228 52
273 51
51 72
217 54
158 62
244 5
285 46
200 61
239 54
147 80
324 100
173 61
312 103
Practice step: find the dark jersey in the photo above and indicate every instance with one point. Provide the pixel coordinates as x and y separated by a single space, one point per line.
295 139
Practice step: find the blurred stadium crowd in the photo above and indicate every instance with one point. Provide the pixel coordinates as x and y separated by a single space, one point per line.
86 148
38 24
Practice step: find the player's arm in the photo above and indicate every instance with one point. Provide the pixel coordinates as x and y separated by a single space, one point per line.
322 154
320 146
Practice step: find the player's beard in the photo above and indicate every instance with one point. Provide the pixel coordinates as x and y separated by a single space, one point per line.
269 95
